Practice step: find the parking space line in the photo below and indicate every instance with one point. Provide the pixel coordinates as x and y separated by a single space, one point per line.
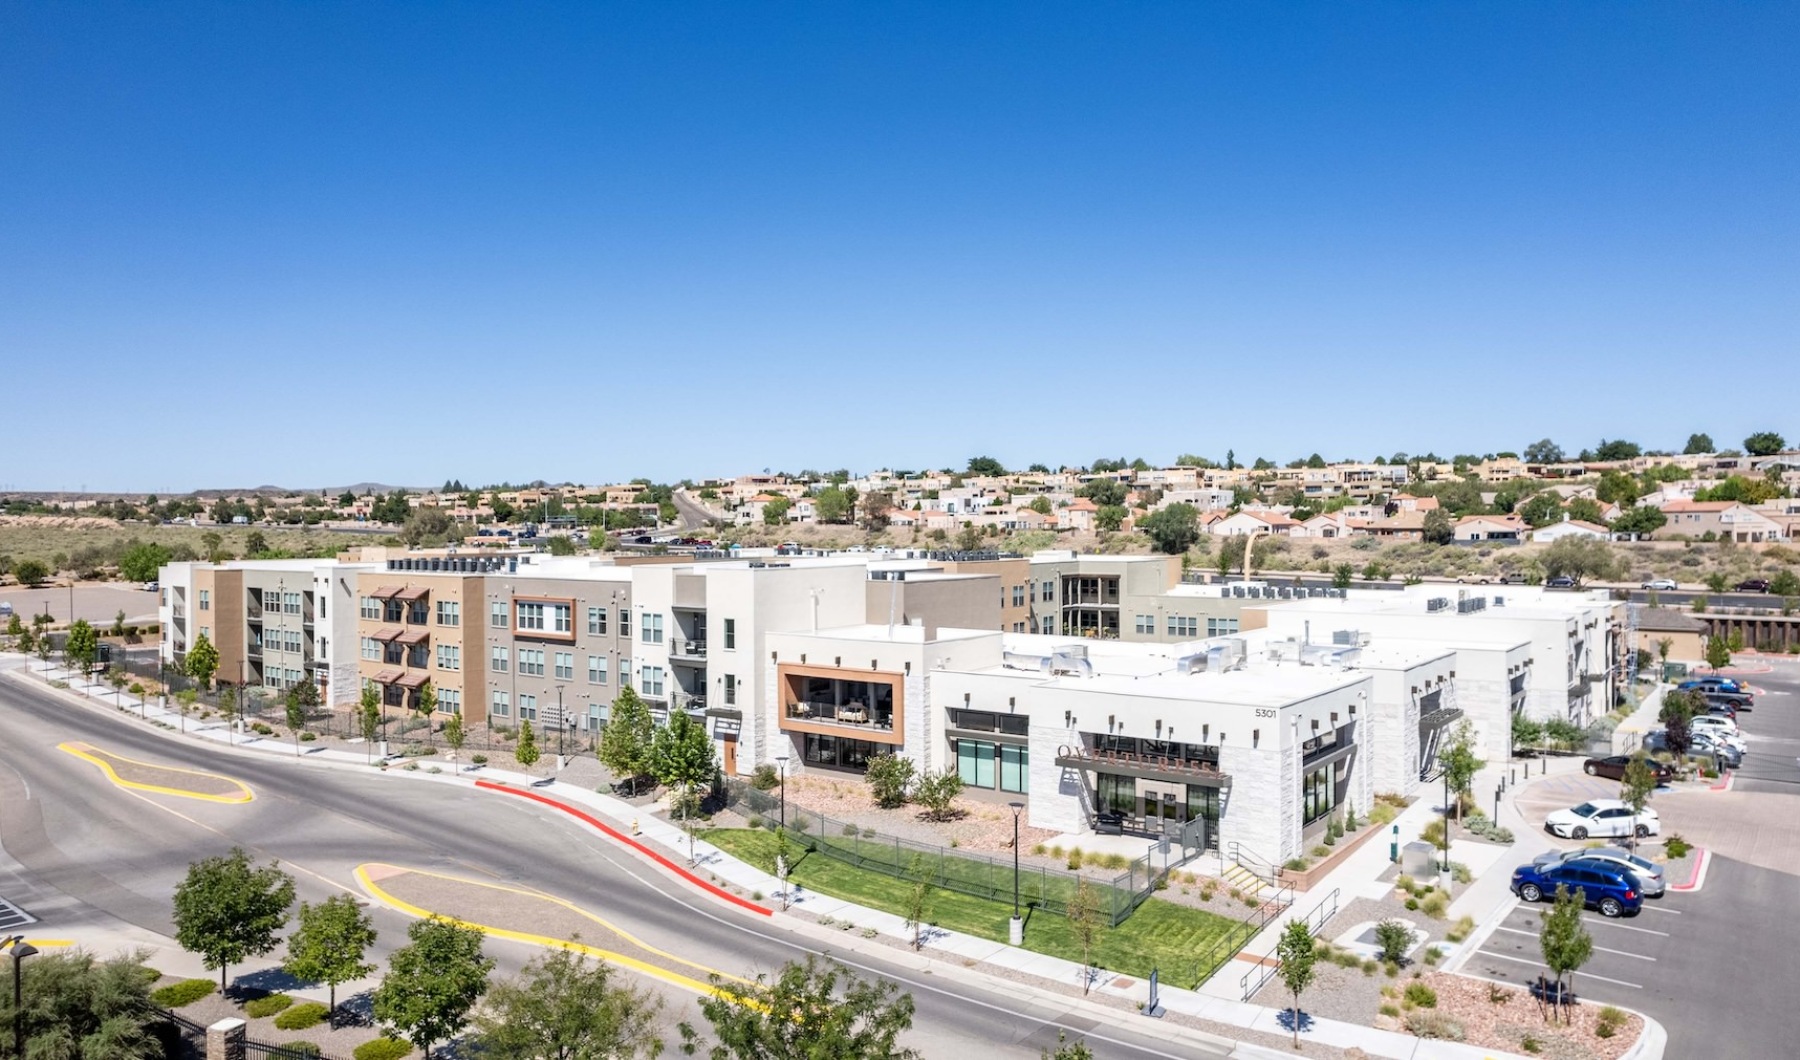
1623 927
1602 949
1659 909
1615 982
1540 964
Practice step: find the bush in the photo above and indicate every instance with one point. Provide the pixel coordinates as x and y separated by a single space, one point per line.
1530 1044
1412 904
1676 847
1434 1025
1390 1010
304 1048
1435 905
480 760
383 1049
1460 872
1418 995
1074 861
1433 833
1461 929
889 776
186 992
267 1006
262 730
1609 1021
1392 939
301 1016
765 778
308 737
1321 851
1296 865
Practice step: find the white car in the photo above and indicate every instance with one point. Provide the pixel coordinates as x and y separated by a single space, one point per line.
1661 583
1602 817
1722 730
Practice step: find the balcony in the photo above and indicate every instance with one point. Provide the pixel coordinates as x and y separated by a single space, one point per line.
1143 766
850 716
688 651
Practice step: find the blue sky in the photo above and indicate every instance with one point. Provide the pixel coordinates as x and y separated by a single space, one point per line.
315 243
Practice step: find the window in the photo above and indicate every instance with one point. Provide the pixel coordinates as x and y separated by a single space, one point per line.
531 663
1018 627
531 616
596 621
730 690
1018 596
371 649
596 669
527 707
498 662
1219 627
497 616
652 626
561 618
1182 626
418 655
417 613
290 603
1145 625
371 608
652 684
1049 625
1318 790
501 706
625 622
450 700
206 599
730 634
565 666
449 657
625 666
1015 769
975 763
449 613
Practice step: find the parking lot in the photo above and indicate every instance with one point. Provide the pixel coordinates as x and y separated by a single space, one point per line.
1716 965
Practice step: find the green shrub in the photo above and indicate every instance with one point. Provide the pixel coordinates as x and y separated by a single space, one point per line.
1418 995
186 992
1321 851
1434 1025
1390 1010
1433 955
1412 904
308 737
262 730
1405 883
1435 905
383 1049
1074 861
1530 1044
1676 847
1609 1021
1392 939
1461 929
1391 969
1382 814
1433 833
1460 872
302 1016
1370 966
305 1048
267 1006
1330 840
1296 865
480 760
765 778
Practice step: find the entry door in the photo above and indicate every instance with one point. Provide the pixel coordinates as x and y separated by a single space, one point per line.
730 756
1162 806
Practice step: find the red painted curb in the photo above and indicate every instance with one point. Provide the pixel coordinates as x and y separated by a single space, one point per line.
1724 782
1694 876
628 841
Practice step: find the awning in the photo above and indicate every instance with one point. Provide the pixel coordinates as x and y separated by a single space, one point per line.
385 592
412 592
387 633
414 678
414 636
389 675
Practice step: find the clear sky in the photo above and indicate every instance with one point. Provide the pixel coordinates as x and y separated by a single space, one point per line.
314 243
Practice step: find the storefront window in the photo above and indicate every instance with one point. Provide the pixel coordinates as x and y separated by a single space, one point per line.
1015 769
975 763
1115 794
1318 792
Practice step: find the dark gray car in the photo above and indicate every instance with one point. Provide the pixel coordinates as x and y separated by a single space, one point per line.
1649 874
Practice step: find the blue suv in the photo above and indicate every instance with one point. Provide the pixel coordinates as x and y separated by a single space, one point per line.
1613 892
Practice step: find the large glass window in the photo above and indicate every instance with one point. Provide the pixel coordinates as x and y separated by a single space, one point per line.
835 752
1015 769
1318 792
1115 794
975 763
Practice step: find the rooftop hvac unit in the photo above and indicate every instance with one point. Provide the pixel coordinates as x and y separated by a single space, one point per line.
1436 604
1346 637
1499 601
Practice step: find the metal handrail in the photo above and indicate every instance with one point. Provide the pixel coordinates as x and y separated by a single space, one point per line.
1263 972
1123 758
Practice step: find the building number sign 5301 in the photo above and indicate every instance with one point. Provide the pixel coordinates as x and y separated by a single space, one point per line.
1264 713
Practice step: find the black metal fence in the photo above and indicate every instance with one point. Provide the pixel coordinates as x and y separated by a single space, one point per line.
1050 890
183 1039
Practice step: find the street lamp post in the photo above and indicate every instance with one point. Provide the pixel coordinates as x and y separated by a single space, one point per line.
560 726
1016 929
782 760
1446 820
19 949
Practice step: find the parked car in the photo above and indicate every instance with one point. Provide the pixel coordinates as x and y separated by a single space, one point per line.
1753 585
1613 766
1602 817
6 609
1649 874
1700 744
1661 583
1718 721
1561 581
1730 738
1614 892
1730 701
1723 684
151 587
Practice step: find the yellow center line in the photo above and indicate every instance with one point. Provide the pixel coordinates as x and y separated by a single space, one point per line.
685 982
90 753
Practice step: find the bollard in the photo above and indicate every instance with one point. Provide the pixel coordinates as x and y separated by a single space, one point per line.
1394 847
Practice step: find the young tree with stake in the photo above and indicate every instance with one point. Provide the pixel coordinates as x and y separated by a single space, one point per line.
1565 944
1297 956
329 944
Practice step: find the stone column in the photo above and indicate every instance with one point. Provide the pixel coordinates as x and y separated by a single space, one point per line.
225 1040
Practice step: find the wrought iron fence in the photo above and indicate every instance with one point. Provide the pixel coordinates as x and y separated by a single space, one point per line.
1046 889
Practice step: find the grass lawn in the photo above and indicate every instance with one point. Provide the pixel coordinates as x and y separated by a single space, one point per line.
1163 935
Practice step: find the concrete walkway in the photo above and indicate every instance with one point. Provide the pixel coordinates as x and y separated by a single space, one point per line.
1217 1001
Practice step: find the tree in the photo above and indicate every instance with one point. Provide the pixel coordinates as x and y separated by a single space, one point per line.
432 983
566 1007
889 776
300 699
202 661
625 744
1617 449
454 733
215 546
142 562
525 752
775 511
77 1007
985 465
1764 443
329 942
562 545
1543 451
1104 491
1083 915
83 645
1174 529
813 1010
1437 529
1040 504
1636 787
1676 715
968 539
1526 732
937 792
1110 517
228 910
1581 558
1541 509
681 754
1460 764
255 544
30 571
1785 583
833 504
1697 444
918 900
1585 509
1342 575
1643 519
1718 652
1296 953
1068 1050
1564 942
368 715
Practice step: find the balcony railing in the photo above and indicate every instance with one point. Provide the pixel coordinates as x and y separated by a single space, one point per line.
687 649
854 717
1148 766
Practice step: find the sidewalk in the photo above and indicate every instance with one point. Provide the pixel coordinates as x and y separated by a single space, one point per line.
1354 878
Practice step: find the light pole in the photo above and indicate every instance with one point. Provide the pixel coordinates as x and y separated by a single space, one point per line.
782 760
19 949
781 865
561 726
1446 820
1017 927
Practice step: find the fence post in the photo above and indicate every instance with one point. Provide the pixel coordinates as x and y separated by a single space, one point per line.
225 1040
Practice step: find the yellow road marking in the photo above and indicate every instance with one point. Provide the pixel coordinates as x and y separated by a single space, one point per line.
366 878
81 751
59 943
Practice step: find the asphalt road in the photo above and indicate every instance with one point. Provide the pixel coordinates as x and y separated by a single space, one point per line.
693 514
88 847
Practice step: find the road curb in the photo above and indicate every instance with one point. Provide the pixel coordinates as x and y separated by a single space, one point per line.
1697 878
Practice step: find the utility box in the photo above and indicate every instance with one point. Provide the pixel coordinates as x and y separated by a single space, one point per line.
1419 859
